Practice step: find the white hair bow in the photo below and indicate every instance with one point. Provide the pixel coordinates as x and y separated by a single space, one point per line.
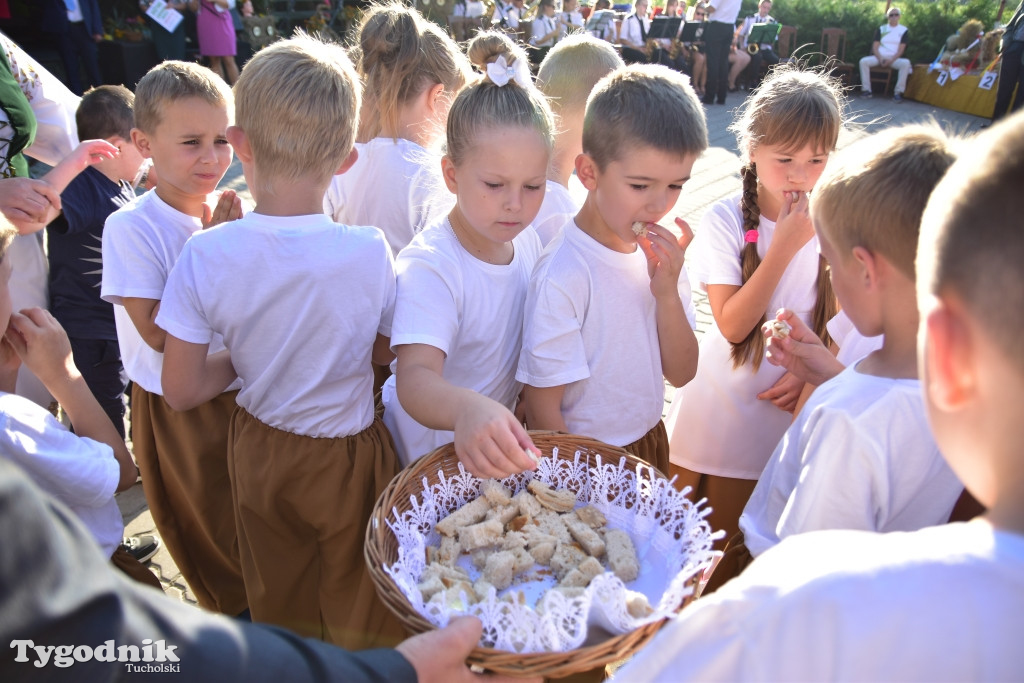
501 73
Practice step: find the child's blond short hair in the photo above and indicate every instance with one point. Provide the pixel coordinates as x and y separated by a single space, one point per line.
298 101
172 81
645 105
573 67
872 194
972 245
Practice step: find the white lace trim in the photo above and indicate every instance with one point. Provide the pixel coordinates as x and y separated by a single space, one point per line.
672 539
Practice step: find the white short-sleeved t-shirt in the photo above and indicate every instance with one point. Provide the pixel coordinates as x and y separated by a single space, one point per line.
141 243
716 423
79 472
299 301
852 344
395 185
939 604
559 207
470 310
860 455
590 325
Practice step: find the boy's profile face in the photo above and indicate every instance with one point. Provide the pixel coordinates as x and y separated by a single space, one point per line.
189 148
642 186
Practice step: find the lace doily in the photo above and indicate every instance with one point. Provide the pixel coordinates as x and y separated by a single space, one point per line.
671 536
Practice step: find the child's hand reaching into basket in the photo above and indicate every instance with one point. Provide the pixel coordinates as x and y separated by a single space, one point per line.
440 656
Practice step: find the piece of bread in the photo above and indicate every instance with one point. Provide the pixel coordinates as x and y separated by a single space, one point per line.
588 539
566 558
591 516
552 524
470 513
500 569
503 513
621 554
591 567
513 540
562 500
448 553
638 606
431 586
542 552
480 535
527 503
496 494
524 560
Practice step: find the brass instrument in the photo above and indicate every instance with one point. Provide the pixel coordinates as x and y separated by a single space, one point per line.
753 48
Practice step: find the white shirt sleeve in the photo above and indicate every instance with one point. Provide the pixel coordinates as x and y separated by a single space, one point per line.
180 309
719 242
553 351
131 265
427 312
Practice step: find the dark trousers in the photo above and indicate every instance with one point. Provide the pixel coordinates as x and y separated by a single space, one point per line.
630 55
717 39
99 361
762 57
1011 76
76 44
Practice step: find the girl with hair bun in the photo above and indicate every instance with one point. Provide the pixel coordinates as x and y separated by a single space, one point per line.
754 254
462 282
411 71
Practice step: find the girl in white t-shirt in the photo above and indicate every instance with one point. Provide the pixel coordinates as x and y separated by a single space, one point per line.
755 253
411 71
462 282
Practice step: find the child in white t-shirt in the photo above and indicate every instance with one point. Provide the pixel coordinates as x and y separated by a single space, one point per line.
411 70
569 72
942 603
755 253
462 282
605 321
303 304
84 469
181 115
860 454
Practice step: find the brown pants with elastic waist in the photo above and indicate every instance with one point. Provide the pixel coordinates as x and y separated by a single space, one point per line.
183 459
302 506
652 447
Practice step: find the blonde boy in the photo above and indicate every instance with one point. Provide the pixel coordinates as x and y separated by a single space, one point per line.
860 455
567 75
942 603
303 305
605 321
181 117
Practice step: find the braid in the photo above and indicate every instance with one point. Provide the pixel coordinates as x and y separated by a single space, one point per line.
752 348
826 305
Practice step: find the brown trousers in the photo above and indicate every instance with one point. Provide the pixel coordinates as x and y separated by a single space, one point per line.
182 456
652 447
302 507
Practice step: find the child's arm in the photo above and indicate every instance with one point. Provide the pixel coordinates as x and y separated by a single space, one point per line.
143 313
544 407
738 308
85 155
678 344
191 375
488 438
43 347
382 353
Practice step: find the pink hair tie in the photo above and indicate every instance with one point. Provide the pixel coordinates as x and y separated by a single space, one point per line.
750 236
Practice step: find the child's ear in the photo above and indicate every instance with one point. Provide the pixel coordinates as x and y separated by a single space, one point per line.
239 141
448 172
141 142
586 171
868 265
948 358
352 157
433 96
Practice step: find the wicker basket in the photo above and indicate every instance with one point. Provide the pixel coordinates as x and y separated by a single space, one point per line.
382 549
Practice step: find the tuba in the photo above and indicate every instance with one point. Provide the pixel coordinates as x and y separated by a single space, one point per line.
753 48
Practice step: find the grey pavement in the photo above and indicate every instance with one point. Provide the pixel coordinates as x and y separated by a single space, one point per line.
715 176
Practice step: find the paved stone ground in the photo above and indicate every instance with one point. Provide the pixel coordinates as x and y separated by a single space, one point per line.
715 175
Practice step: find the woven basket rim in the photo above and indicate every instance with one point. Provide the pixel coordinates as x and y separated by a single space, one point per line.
381 549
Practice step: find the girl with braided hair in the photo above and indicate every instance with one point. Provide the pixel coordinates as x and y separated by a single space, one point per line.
755 253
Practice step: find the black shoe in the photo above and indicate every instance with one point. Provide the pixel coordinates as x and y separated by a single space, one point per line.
721 101
141 547
707 101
